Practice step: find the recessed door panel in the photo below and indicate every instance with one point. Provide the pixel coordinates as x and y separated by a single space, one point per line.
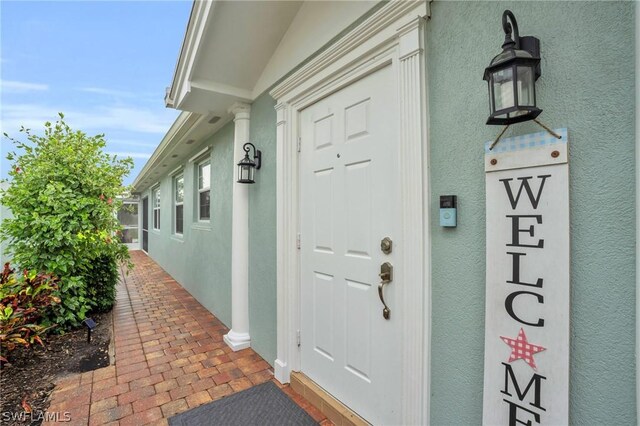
323 212
357 120
358 330
358 187
322 132
323 289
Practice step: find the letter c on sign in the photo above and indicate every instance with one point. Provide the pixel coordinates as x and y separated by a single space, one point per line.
508 304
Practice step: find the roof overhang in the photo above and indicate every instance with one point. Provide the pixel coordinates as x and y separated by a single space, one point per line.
187 132
226 47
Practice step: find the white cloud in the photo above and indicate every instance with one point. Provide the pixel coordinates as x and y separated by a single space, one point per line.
101 119
12 86
122 154
130 143
108 92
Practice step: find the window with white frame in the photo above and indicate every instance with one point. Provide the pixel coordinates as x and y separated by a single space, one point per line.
178 203
156 208
204 190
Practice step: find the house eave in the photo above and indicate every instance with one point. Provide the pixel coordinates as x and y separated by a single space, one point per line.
226 47
193 39
186 133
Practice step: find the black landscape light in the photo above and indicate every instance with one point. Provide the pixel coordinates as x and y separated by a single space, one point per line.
247 166
91 324
512 76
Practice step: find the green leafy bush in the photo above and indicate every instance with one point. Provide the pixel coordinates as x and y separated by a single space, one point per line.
24 301
63 197
104 276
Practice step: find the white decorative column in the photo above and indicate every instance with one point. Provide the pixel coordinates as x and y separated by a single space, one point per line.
238 337
413 157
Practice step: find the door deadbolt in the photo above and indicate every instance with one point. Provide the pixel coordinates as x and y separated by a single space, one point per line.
386 245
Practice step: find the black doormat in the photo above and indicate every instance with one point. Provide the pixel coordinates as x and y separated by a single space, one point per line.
264 404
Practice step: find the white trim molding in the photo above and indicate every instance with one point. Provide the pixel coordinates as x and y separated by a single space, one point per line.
413 153
199 154
393 35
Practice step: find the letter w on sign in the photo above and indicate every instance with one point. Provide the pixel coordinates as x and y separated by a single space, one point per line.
524 184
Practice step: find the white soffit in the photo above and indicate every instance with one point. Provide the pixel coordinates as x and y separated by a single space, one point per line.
185 135
226 48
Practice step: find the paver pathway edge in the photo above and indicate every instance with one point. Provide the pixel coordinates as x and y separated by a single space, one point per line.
169 358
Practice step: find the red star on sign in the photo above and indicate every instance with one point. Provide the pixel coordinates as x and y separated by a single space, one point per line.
521 349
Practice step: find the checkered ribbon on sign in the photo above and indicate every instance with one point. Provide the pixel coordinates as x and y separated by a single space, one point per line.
522 142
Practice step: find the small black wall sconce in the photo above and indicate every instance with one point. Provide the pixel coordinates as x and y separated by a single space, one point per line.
512 76
247 166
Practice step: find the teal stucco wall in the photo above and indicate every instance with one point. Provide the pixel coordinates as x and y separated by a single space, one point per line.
262 231
587 85
200 260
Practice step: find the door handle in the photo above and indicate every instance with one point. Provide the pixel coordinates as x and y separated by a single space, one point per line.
386 276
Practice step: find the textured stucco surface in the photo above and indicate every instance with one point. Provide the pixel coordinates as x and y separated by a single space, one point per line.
587 85
200 260
262 231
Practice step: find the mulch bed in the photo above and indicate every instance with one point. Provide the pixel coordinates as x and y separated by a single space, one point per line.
32 372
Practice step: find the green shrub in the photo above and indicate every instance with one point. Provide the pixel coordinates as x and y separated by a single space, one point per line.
63 197
102 287
24 300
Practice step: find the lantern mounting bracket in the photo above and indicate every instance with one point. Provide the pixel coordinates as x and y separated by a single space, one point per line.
257 154
532 45
527 43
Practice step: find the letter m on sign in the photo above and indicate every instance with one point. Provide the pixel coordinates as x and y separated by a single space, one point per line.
536 382
524 184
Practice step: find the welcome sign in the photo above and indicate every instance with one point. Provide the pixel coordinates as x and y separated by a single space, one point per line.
526 371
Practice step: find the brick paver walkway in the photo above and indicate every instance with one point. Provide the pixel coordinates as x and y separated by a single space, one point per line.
169 358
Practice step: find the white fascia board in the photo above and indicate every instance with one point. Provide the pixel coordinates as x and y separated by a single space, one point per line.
180 127
193 39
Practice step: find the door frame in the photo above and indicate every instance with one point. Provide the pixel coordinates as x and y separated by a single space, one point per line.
142 217
392 36
138 245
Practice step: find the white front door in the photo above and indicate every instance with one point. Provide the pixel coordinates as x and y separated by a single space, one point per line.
349 201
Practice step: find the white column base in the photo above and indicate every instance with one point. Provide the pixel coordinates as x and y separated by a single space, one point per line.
281 371
237 341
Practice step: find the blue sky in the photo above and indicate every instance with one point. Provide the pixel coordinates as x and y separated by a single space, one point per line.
104 64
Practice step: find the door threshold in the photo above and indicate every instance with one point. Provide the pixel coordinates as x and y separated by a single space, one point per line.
336 411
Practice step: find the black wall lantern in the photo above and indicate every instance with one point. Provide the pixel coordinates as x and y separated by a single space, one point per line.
512 77
247 166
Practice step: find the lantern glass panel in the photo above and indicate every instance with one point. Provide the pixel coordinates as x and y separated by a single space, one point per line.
503 89
245 173
526 82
